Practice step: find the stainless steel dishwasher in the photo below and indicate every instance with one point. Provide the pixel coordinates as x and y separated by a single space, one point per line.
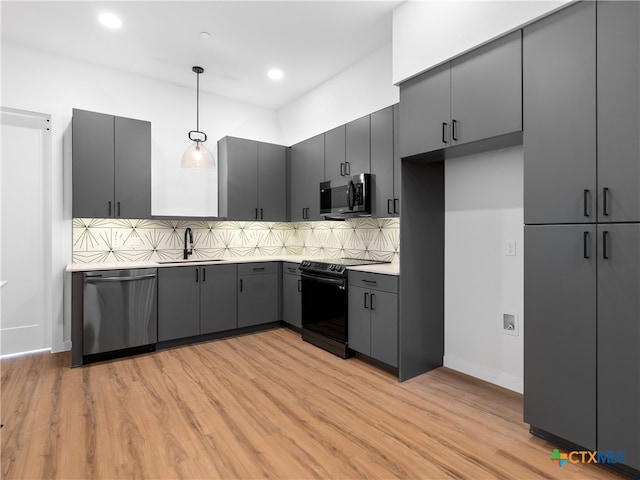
120 310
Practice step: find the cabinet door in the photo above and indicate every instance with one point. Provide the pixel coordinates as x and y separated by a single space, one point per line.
291 300
618 111
307 171
132 168
397 164
92 164
486 91
384 327
382 162
618 341
359 323
334 153
257 299
560 331
358 146
272 182
559 61
425 112
178 302
218 298
242 179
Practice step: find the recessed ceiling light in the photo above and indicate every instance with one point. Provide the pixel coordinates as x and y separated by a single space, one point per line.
110 20
205 35
275 74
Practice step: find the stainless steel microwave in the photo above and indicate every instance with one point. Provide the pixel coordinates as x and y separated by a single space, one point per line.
346 197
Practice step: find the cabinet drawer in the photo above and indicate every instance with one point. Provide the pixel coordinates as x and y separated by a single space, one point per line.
291 268
375 281
258 268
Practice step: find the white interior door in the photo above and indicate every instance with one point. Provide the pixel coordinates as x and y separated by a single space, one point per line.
25 232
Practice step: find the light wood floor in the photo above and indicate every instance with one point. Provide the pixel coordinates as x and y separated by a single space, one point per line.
265 405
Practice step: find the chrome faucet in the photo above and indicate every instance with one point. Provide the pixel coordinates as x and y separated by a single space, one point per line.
188 247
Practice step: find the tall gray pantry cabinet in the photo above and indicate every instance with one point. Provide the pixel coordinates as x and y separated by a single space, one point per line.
582 233
111 160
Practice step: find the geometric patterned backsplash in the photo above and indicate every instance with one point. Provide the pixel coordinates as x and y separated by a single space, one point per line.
100 240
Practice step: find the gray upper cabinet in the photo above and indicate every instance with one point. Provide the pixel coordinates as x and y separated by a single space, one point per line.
425 111
335 153
560 331
618 26
111 160
486 91
242 177
272 182
258 292
618 337
253 178
559 96
474 97
385 162
358 146
307 171
397 164
218 298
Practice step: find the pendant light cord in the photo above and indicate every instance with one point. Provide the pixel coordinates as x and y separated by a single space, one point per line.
198 101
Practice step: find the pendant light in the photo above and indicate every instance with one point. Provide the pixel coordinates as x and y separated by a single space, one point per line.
197 156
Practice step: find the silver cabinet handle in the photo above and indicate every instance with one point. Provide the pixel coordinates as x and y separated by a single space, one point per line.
119 279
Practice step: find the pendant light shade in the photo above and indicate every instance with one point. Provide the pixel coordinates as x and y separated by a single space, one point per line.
197 156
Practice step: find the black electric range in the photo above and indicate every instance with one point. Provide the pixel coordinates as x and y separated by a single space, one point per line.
324 302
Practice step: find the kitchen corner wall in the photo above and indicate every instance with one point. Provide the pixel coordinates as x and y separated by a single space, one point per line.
125 240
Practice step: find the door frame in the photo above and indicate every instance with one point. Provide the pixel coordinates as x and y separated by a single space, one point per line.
46 211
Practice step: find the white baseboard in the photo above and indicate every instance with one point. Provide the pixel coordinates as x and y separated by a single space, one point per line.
490 375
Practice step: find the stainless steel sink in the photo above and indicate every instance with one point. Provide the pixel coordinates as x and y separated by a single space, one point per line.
190 260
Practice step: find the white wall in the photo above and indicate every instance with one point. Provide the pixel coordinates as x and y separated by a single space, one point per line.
54 85
426 33
363 88
484 210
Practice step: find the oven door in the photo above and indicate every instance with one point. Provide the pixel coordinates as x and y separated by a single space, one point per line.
324 306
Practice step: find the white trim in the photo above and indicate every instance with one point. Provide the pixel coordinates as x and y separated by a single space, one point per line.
482 372
21 354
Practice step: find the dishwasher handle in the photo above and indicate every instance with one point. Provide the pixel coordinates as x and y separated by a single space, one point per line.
119 279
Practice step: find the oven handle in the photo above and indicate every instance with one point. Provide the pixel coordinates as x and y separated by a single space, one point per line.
328 281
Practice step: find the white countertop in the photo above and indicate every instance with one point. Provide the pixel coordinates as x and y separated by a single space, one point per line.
383 268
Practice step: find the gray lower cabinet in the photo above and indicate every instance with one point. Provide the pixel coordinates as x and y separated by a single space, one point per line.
618 24
252 180
373 316
306 173
111 166
559 109
196 300
218 298
291 294
560 308
618 397
178 302
258 292
385 162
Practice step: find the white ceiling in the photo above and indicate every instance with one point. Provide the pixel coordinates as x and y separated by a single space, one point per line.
310 41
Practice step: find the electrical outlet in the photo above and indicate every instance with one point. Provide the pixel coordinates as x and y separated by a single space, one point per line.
510 248
134 242
510 324
116 240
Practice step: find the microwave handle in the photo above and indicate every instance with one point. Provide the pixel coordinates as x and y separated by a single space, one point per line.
350 191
